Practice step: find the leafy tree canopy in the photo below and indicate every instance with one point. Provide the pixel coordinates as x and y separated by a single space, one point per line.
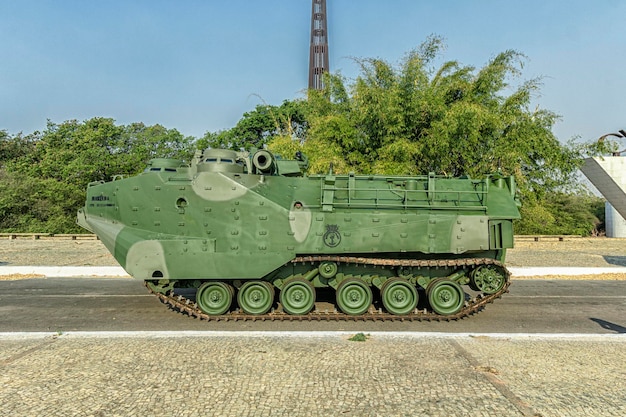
257 127
80 152
43 175
454 120
414 118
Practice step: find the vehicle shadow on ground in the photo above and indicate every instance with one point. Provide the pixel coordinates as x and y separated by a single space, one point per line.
609 326
615 260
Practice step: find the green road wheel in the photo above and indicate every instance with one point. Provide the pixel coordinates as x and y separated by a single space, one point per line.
399 296
256 297
214 298
446 297
297 296
488 278
354 296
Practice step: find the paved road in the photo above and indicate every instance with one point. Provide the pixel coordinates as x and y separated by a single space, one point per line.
94 304
284 373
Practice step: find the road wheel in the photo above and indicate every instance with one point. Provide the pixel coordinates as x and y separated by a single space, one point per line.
446 297
214 298
354 296
399 296
256 297
297 296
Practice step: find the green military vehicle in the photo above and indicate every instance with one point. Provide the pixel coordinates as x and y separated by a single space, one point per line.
247 235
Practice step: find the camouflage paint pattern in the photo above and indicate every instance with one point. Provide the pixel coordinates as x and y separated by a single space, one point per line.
236 215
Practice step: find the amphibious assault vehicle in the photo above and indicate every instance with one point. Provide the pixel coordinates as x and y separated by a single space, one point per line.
248 235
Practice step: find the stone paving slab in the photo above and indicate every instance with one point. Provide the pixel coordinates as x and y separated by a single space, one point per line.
12 349
311 375
566 378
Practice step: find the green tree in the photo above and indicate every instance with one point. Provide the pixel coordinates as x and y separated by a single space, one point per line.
30 204
44 175
13 147
563 214
456 120
259 126
81 152
140 143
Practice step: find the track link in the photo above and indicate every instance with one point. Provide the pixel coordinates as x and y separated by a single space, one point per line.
472 306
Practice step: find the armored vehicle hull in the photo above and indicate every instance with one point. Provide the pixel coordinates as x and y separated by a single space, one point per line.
241 228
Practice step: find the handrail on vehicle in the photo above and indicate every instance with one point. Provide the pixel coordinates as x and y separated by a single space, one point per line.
344 197
400 192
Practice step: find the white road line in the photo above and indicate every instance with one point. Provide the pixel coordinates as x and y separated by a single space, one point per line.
118 271
536 271
585 297
313 334
31 295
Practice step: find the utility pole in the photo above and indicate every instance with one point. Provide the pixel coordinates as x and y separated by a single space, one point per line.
318 58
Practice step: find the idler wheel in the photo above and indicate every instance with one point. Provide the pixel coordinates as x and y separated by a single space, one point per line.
354 296
399 296
297 296
488 278
446 297
256 297
214 298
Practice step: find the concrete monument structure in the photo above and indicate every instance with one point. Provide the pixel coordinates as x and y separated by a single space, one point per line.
608 175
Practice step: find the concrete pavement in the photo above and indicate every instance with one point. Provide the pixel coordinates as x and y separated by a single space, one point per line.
311 374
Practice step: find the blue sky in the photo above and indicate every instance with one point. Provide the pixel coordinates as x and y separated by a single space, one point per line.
197 66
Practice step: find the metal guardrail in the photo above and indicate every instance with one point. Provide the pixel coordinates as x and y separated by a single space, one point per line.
37 236
90 236
538 238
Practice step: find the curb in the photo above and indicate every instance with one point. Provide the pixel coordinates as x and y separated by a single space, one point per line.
66 271
118 271
170 334
537 271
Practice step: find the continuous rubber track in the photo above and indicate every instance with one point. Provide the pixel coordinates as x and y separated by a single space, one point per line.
472 306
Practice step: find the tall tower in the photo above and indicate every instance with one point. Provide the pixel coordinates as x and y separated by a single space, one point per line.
318 58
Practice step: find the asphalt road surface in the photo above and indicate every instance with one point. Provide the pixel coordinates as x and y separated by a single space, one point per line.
93 304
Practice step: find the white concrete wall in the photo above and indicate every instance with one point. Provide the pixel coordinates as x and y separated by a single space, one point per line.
608 175
614 223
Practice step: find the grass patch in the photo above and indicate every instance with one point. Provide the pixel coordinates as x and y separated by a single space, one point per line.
359 337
